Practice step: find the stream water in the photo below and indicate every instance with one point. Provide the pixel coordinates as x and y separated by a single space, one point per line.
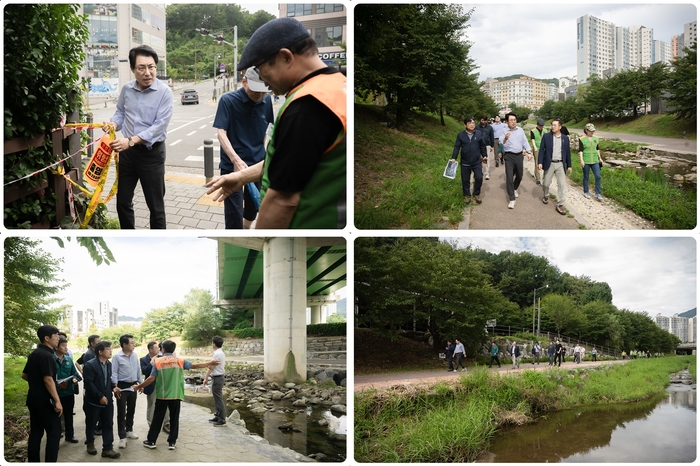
660 430
308 436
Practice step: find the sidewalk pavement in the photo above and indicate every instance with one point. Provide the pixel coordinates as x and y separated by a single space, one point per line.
187 205
199 441
381 381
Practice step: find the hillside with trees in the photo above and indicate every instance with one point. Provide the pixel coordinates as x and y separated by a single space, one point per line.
436 287
187 46
417 57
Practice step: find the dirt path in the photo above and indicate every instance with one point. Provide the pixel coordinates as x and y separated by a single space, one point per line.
384 381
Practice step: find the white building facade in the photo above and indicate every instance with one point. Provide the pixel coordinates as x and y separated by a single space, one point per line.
604 48
683 327
327 24
114 29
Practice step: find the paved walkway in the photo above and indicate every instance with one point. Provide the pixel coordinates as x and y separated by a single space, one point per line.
186 204
199 441
530 213
381 381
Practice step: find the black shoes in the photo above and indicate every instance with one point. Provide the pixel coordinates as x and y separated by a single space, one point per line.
149 444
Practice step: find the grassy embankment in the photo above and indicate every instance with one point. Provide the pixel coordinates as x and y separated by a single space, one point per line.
398 174
454 422
399 182
648 125
16 413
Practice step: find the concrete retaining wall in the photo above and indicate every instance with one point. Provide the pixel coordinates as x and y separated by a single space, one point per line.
316 348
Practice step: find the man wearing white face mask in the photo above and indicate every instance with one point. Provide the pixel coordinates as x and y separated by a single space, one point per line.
242 118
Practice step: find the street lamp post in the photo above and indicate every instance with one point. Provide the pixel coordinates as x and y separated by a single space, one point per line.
534 306
218 55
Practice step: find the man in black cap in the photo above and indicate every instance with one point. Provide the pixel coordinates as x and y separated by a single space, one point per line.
303 175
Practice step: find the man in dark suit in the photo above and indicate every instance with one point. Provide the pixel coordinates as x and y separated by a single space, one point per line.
98 403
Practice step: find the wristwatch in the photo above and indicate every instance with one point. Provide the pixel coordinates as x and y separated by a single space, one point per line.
131 143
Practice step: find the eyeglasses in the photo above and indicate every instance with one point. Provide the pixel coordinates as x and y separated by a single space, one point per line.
143 69
256 68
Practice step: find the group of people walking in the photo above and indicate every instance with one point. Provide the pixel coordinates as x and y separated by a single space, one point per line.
556 354
507 144
53 379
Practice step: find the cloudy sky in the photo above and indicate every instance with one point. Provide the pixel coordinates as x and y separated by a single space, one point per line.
539 40
656 275
149 273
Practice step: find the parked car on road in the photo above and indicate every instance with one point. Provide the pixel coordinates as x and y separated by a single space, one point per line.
189 96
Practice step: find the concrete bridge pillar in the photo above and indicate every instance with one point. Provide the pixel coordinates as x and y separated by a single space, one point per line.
258 317
315 314
284 306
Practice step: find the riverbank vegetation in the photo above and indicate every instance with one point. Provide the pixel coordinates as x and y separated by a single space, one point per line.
16 414
454 422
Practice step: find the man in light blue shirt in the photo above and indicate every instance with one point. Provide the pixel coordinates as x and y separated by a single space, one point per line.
515 147
144 109
126 372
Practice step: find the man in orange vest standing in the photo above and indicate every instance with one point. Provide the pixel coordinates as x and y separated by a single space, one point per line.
169 375
304 172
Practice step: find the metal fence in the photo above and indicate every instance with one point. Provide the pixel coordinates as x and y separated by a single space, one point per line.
568 342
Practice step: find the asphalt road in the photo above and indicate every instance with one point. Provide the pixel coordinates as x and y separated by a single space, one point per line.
189 126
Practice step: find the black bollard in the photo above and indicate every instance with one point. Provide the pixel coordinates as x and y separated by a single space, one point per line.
208 159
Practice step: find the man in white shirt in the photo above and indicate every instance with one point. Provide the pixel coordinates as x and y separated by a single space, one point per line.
217 377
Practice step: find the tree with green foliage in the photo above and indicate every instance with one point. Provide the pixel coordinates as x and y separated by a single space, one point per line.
522 113
44 55
183 40
31 281
683 84
335 319
546 111
163 323
450 297
202 320
563 312
409 53
113 333
96 247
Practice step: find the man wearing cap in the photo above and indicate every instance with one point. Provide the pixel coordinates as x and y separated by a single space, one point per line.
536 137
144 109
555 160
589 154
304 172
242 118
